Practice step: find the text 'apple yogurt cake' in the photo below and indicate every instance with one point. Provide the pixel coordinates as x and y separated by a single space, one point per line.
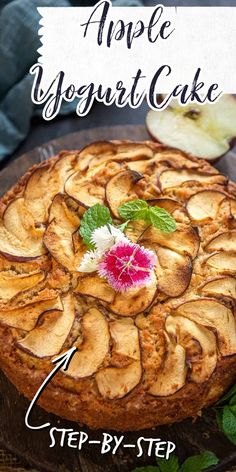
128 252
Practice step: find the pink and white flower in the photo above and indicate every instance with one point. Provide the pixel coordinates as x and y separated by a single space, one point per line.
127 265
105 237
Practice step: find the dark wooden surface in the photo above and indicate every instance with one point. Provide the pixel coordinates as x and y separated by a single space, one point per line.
33 446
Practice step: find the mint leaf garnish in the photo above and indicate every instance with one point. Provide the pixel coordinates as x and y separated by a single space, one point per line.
229 423
123 226
140 210
96 216
199 462
162 220
134 210
226 414
196 463
170 465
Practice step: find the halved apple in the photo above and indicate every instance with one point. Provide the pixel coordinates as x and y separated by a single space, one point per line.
206 131
125 338
222 261
51 331
94 348
85 193
173 272
96 287
187 333
225 241
25 317
174 178
220 286
204 204
58 237
11 283
185 240
116 382
172 375
210 312
121 188
135 300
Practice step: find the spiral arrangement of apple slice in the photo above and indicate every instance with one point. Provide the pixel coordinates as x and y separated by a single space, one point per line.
195 276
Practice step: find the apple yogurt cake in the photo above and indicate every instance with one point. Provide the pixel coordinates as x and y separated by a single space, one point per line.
145 356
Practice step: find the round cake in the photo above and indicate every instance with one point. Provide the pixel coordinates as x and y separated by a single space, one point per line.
148 355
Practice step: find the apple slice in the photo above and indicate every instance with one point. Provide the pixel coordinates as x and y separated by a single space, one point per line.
20 222
25 317
135 300
174 178
219 286
85 193
222 261
232 203
14 249
58 237
101 152
95 287
19 238
173 272
97 151
45 182
51 332
204 204
39 191
206 131
187 333
12 284
172 376
142 166
94 348
121 188
116 382
211 313
169 204
185 240
225 241
125 338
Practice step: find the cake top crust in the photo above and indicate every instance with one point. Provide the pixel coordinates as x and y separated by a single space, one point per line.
162 336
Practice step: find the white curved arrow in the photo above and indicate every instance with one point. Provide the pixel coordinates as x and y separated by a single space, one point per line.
62 362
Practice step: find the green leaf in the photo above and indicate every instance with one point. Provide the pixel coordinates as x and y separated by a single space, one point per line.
134 210
229 424
219 419
233 409
95 217
148 468
170 465
124 225
199 462
233 400
139 210
227 396
161 219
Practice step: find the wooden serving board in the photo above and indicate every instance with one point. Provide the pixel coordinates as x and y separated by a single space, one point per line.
33 446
